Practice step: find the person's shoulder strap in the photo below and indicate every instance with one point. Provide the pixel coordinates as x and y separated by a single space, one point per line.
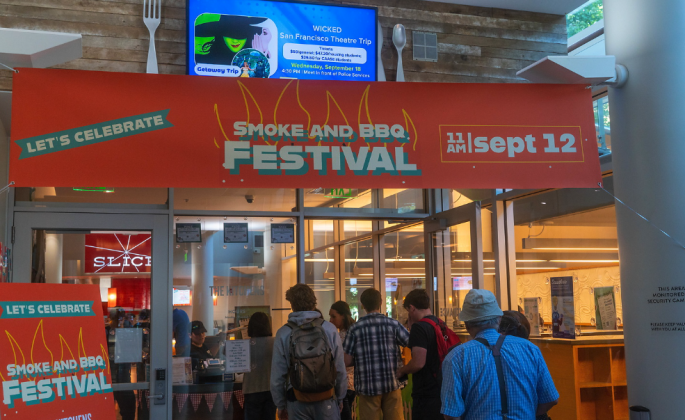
497 354
483 342
429 321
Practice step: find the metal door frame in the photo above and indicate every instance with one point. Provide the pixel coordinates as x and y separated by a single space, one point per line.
162 295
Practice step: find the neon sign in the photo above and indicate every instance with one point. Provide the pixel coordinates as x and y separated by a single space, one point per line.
118 253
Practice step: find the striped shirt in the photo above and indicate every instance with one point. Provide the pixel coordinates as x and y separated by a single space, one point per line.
470 388
374 342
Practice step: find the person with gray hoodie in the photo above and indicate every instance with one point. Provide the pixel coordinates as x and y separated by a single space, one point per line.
303 303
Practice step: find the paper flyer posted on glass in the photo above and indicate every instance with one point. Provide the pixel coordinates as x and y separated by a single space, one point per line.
563 307
54 361
263 39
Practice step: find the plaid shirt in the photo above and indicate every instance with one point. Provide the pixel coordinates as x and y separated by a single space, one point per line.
470 388
374 343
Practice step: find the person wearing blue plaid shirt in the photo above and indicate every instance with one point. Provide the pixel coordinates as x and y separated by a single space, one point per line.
372 346
470 384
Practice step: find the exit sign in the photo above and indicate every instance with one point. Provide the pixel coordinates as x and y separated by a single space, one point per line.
340 192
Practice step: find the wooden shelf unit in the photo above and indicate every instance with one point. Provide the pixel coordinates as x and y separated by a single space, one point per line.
590 378
600 377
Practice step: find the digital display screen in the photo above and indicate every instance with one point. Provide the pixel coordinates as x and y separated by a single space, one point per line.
182 297
462 283
274 39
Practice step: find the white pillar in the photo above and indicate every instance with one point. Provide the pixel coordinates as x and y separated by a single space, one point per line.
203 279
53 257
648 143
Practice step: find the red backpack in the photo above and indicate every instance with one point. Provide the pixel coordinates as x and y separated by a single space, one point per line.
445 337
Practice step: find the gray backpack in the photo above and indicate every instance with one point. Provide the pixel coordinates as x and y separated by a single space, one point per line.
311 370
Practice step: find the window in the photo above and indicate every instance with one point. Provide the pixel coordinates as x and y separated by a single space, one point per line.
584 17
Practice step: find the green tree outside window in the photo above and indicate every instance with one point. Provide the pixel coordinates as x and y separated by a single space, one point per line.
584 17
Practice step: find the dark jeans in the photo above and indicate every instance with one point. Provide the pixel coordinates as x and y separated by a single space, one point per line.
260 406
346 413
427 408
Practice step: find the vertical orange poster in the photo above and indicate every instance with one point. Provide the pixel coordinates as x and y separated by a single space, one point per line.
53 353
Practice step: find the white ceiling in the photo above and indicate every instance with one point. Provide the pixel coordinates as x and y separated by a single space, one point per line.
554 7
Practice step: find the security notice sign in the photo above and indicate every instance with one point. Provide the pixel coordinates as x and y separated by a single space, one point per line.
212 132
53 354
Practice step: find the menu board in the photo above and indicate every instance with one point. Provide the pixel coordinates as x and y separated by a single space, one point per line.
235 233
282 233
182 370
563 310
188 232
605 308
532 313
237 356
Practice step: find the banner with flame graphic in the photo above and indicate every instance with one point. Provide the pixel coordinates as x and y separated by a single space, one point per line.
53 353
140 130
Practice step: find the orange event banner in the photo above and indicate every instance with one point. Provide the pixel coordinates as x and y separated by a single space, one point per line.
73 128
54 362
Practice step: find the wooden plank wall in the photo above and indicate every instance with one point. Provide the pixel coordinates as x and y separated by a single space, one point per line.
476 44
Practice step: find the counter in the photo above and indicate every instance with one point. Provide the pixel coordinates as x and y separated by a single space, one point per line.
589 373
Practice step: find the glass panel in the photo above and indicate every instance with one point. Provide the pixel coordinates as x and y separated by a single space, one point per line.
120 263
570 236
581 245
459 198
584 16
603 124
460 279
405 268
353 228
92 195
320 265
488 254
403 200
358 272
235 199
220 281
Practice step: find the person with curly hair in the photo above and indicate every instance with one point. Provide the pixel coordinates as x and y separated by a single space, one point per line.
292 404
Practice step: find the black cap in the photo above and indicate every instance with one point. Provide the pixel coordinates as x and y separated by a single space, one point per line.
197 327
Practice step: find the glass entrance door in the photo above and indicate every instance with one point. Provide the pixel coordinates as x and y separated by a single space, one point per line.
127 256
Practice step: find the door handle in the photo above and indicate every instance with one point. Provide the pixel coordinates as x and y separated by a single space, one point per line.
158 397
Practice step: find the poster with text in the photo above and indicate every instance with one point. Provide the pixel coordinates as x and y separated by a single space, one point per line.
605 308
265 39
209 132
532 313
53 354
563 310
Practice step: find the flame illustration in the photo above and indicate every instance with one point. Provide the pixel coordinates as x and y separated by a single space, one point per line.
244 89
80 346
364 100
218 119
407 121
13 342
62 343
363 103
42 335
16 347
104 355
